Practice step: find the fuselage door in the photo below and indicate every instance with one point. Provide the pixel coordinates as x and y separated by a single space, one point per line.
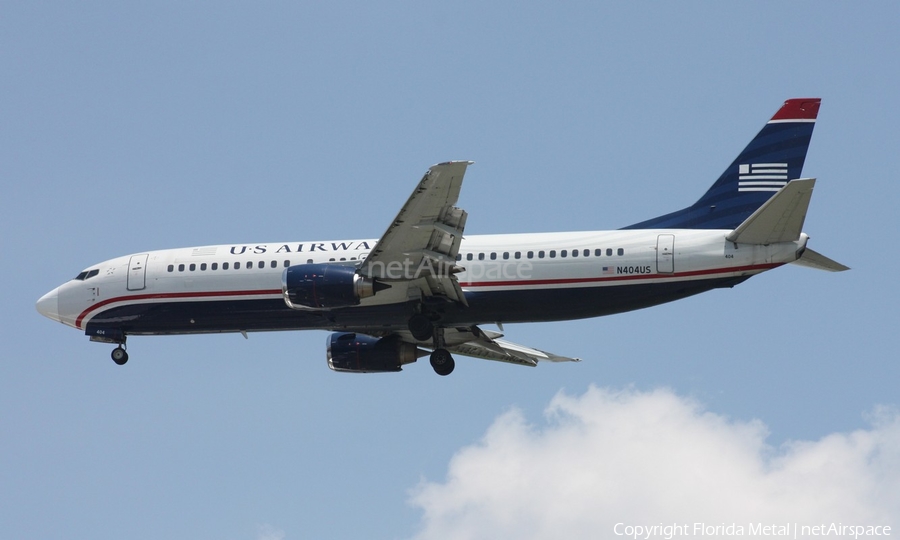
665 254
137 272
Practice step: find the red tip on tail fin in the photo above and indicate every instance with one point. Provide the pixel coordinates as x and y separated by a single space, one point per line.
798 109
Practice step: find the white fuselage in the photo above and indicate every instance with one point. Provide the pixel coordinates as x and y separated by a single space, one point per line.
565 272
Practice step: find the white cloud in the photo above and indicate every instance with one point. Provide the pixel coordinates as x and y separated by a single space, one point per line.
650 458
268 532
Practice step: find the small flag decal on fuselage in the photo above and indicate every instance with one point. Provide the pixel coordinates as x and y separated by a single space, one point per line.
762 176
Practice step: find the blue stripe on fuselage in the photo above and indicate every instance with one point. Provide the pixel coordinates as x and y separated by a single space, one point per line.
189 316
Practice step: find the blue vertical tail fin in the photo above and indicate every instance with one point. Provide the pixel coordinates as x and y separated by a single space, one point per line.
772 158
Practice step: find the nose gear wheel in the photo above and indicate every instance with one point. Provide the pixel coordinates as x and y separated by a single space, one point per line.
119 355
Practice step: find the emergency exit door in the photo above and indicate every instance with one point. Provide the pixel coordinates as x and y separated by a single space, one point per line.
137 272
665 254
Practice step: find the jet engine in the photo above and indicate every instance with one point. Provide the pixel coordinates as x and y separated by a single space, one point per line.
323 286
359 353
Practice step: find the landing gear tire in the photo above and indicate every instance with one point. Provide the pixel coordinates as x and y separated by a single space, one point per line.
119 356
420 327
442 362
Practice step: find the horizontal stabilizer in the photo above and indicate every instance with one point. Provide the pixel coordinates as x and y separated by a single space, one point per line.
780 219
812 259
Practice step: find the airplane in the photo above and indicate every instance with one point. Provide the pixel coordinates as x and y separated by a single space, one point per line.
423 286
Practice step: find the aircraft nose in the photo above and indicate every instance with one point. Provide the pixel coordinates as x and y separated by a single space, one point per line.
48 305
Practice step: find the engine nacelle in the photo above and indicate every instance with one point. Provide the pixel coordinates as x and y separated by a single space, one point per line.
359 353
323 286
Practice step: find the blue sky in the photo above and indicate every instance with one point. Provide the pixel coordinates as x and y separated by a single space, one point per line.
129 128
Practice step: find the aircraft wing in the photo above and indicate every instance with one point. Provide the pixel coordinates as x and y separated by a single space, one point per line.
421 243
505 351
487 345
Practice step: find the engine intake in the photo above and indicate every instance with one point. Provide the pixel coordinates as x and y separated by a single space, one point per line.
323 286
360 353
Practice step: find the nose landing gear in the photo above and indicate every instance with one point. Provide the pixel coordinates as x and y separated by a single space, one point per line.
115 336
119 355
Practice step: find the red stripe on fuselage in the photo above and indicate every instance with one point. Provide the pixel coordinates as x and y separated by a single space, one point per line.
521 282
202 294
632 277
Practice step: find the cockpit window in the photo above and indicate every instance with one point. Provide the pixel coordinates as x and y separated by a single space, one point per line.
87 274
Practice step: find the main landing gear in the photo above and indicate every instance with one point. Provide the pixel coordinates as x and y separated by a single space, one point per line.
442 362
422 329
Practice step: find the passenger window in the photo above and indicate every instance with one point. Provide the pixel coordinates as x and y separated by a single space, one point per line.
563 253
598 252
518 255
530 254
181 268
171 268
202 266
224 266
214 266
287 263
469 257
249 265
261 264
541 254
309 261
493 256
574 252
192 267
609 252
587 252
505 255
621 251
481 256
274 264
237 265
552 253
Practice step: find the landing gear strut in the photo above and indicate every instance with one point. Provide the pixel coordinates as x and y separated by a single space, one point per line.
441 360
119 355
